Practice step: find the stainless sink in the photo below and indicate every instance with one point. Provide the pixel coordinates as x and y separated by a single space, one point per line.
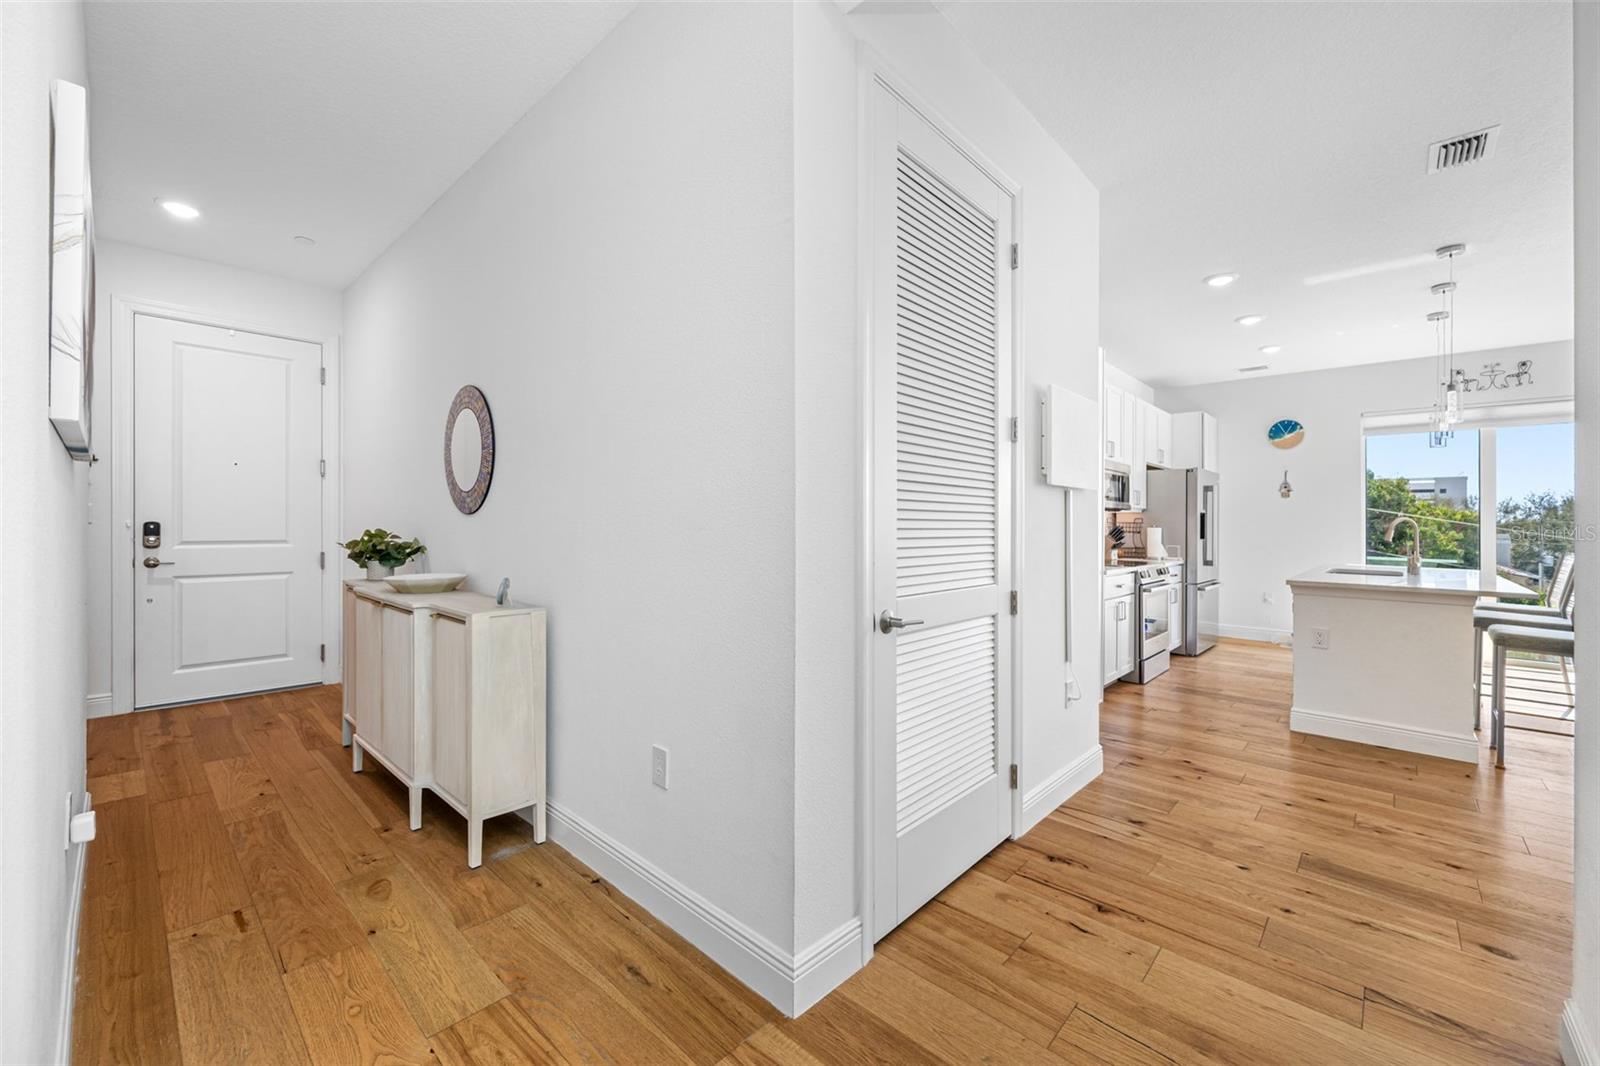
1370 571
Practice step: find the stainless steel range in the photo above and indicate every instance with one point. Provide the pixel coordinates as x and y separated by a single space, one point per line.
1154 603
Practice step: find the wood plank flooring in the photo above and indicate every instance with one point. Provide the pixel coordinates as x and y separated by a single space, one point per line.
1227 892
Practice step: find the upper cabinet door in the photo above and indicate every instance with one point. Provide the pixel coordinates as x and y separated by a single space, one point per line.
1113 423
1208 442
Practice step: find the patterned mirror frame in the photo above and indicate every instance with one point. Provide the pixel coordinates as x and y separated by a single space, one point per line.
470 398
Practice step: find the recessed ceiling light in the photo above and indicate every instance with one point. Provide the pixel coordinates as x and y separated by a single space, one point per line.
1270 349
1217 281
302 239
179 209
1250 320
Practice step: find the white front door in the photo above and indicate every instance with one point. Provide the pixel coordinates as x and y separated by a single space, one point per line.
941 350
227 486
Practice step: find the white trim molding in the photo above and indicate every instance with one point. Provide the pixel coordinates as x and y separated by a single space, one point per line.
1261 633
1463 747
1578 1047
789 982
99 706
1058 788
67 997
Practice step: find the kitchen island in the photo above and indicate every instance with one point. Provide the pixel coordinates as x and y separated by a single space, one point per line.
1386 659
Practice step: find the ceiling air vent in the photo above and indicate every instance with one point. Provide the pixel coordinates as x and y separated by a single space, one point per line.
1459 151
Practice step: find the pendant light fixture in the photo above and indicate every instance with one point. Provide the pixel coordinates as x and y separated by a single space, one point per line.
1447 397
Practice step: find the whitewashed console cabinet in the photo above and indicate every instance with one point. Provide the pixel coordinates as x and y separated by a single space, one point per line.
447 691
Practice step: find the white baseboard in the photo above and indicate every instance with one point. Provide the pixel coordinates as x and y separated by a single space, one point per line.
826 965
69 965
1463 747
1059 787
1271 636
98 706
789 982
1578 1047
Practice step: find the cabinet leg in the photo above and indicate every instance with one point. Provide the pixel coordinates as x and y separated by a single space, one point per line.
355 757
538 823
474 842
347 732
416 807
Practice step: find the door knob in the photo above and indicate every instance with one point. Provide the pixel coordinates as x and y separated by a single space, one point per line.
151 562
888 623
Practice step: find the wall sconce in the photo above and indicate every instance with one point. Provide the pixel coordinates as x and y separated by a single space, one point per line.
1284 488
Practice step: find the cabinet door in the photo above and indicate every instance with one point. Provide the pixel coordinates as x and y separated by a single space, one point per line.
1164 438
368 674
1208 443
1108 642
1136 456
1113 421
1125 635
347 651
398 724
452 666
1152 435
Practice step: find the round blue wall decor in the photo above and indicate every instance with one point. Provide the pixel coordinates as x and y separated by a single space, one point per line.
1286 433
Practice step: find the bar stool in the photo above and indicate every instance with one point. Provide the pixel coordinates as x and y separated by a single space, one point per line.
1517 614
1505 638
1555 602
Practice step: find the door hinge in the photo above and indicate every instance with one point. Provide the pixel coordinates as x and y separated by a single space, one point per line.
322 467
1013 601
1013 775
322 656
322 560
322 372
1016 430
1016 257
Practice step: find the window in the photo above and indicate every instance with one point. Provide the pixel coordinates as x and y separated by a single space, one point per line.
1498 495
1436 487
1533 514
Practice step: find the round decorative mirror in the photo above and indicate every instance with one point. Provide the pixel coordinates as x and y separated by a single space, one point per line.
468 449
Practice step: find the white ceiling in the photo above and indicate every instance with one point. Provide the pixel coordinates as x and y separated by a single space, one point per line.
337 121
1288 140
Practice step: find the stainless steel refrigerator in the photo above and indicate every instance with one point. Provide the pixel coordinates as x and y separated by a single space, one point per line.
1186 505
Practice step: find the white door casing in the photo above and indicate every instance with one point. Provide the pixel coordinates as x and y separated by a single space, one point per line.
227 451
942 362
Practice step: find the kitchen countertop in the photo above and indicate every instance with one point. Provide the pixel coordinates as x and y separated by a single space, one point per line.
1128 568
1466 585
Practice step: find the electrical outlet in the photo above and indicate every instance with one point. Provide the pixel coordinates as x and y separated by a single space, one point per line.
1266 597
658 766
1319 638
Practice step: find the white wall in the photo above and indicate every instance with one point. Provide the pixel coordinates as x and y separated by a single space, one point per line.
1059 291
238 297
617 275
1267 539
41 559
1581 1020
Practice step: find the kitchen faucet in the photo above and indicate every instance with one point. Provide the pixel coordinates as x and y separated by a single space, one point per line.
1414 560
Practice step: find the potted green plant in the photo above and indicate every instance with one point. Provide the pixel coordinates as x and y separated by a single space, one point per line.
380 551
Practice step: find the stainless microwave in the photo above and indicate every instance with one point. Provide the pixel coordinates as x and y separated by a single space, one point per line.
1116 487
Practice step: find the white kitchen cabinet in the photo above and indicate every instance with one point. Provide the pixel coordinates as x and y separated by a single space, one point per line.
1157 437
1137 491
1174 617
1116 638
447 691
1194 441
1114 431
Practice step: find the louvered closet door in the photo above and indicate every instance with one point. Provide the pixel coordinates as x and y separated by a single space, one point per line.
941 511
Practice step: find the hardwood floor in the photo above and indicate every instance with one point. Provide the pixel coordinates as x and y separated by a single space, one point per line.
1225 893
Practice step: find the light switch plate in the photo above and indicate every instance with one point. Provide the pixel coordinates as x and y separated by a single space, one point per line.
658 766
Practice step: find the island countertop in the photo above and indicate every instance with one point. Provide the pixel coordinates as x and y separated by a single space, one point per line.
1388 581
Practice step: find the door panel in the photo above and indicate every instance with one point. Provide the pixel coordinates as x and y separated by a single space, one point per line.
227 446
369 672
451 670
398 732
941 511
